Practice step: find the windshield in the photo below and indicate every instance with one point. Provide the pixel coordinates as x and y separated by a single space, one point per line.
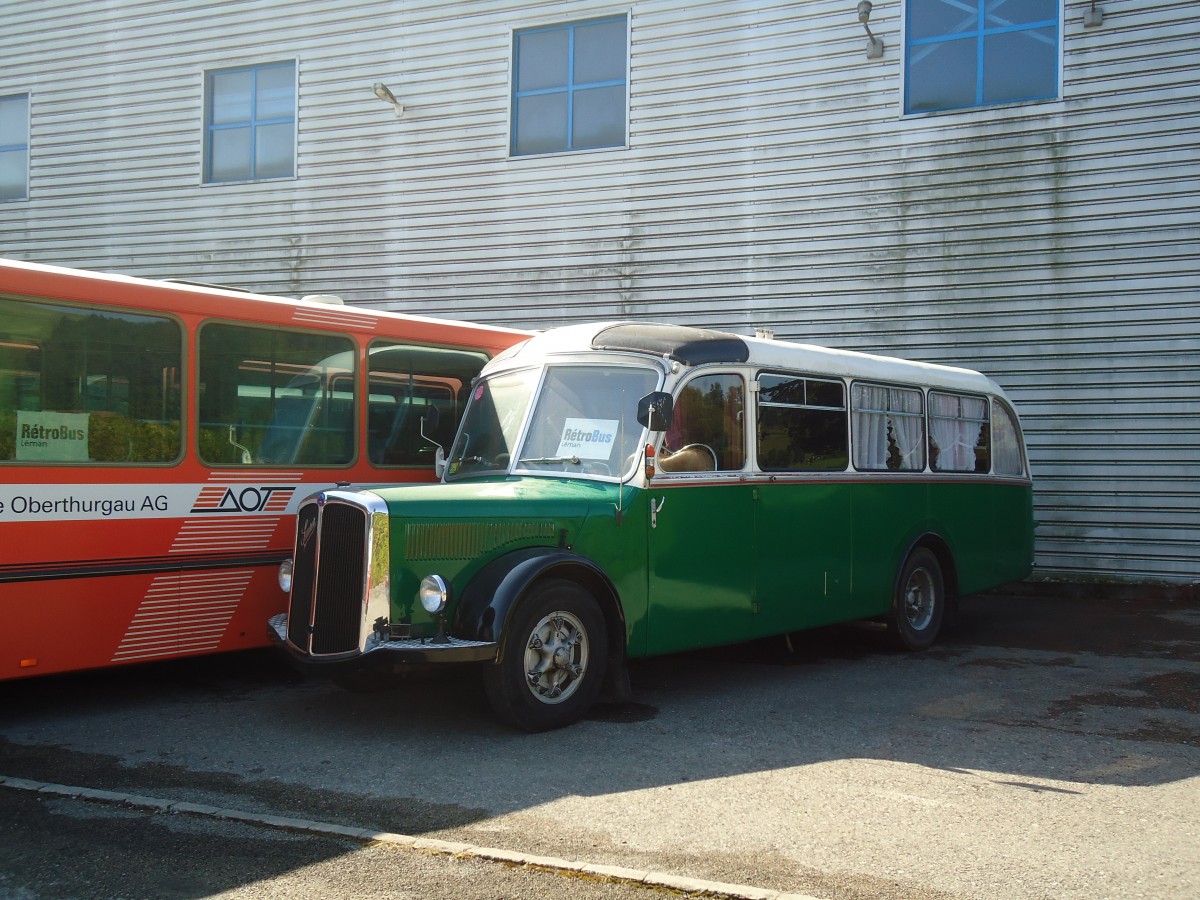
583 422
492 424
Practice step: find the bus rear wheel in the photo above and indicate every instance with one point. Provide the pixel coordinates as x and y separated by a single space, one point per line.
552 658
920 601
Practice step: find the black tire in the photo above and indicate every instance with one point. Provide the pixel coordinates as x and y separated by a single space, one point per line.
553 656
919 605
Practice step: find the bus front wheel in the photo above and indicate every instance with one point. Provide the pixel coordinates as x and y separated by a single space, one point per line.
920 602
553 658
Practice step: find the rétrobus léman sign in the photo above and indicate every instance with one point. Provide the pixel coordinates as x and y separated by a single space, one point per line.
588 438
52 436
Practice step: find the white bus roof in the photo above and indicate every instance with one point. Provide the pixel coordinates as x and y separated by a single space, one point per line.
58 282
701 346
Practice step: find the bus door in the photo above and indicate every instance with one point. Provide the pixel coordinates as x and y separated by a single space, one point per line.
701 536
804 513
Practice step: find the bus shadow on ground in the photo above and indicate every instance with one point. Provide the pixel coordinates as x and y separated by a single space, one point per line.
1051 694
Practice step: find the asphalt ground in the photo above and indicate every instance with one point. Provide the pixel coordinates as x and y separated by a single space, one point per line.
1048 746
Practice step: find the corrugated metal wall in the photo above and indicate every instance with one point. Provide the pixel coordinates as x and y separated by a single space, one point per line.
770 180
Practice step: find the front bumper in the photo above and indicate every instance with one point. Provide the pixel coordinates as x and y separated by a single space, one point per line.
385 655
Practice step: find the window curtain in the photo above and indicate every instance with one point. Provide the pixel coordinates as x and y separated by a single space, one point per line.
908 427
955 426
870 427
879 411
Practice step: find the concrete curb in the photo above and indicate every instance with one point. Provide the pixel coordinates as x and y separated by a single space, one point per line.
692 886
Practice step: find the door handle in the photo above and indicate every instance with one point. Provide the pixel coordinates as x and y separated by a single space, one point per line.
655 509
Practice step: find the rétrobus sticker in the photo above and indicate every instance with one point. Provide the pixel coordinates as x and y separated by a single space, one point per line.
52 436
588 438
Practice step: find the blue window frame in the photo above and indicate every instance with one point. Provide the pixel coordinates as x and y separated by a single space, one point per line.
968 53
14 147
569 86
250 122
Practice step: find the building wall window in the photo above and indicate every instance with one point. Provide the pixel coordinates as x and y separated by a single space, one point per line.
14 147
967 53
569 86
250 123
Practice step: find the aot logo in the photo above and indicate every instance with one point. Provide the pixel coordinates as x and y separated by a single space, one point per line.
249 499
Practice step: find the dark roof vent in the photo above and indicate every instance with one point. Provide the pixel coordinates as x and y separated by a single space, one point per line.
690 346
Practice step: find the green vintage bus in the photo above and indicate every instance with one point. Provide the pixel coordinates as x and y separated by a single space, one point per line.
621 490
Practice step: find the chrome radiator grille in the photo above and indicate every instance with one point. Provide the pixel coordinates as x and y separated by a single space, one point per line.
330 578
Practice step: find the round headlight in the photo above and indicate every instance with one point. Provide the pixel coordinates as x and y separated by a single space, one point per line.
433 594
285 576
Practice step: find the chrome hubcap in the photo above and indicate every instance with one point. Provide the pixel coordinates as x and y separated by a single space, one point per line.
919 599
556 657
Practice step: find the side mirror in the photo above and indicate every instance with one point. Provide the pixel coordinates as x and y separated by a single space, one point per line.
654 411
430 421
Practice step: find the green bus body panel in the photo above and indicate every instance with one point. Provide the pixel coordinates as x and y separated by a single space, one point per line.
726 560
986 527
803 550
880 508
619 548
456 529
701 572
1012 532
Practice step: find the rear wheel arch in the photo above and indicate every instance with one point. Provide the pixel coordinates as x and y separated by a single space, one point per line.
922 594
937 545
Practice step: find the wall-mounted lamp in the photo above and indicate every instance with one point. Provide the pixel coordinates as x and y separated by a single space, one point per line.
380 90
1093 16
874 44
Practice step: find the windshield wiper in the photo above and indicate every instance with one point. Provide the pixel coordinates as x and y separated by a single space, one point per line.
548 460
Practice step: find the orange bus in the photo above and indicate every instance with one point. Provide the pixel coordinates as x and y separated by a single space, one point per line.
155 441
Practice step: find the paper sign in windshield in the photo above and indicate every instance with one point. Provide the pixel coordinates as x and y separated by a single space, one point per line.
588 438
52 436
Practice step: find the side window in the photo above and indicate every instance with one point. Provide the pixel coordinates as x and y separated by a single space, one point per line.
1006 451
250 123
888 428
959 435
404 383
88 386
274 397
14 147
569 86
708 430
801 424
968 53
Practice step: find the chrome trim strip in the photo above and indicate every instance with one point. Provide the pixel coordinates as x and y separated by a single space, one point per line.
417 650
145 566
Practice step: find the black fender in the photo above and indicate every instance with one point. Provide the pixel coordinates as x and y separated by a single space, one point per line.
488 600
